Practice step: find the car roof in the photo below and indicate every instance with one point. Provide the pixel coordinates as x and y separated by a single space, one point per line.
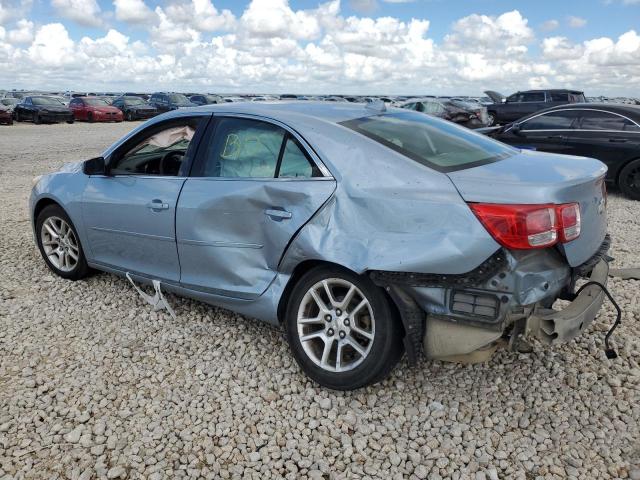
552 90
285 111
622 108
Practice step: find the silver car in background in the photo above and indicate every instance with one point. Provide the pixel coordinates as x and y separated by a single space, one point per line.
365 232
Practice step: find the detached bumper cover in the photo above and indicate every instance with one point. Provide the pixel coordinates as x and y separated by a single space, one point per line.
559 326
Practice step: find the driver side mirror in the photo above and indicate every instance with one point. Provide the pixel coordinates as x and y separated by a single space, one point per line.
95 166
516 129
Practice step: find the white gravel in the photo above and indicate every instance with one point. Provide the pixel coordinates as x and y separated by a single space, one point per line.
95 385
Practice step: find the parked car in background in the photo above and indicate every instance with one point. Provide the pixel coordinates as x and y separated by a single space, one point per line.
94 109
9 103
423 227
135 108
6 116
42 109
206 99
234 99
608 132
505 110
166 102
468 114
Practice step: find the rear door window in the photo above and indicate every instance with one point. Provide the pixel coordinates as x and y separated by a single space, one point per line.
560 120
440 145
532 97
559 97
597 120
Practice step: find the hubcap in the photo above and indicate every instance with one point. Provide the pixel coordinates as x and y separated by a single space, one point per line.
336 325
60 244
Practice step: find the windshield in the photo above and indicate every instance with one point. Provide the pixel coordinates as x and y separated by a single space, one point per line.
96 102
134 101
9 101
179 99
46 101
432 142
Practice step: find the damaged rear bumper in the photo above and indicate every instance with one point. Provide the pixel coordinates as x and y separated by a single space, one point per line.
559 326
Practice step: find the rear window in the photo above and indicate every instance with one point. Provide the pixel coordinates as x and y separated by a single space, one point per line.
434 143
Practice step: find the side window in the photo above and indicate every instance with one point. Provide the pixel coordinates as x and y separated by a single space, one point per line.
533 97
515 98
295 162
243 148
562 120
592 120
559 97
158 150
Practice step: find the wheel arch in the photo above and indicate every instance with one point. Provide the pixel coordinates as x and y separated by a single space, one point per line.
621 167
41 204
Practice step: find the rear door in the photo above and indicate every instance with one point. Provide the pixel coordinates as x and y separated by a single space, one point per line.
254 185
129 213
607 136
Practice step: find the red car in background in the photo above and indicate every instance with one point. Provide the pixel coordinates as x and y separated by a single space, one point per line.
94 109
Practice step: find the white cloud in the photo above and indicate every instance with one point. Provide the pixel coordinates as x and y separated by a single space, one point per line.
22 34
133 11
576 22
84 12
272 46
550 25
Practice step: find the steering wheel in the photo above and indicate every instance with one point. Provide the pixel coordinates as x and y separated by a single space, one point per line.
166 161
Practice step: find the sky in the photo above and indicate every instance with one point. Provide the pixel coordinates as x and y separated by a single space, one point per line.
455 47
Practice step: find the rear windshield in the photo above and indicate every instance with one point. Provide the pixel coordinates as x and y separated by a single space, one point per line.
435 143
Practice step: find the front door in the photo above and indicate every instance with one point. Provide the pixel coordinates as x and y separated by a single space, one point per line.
129 213
546 132
253 187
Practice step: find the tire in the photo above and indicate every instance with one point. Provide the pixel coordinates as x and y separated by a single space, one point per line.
382 347
90 118
129 116
18 117
71 121
491 119
50 220
36 119
629 180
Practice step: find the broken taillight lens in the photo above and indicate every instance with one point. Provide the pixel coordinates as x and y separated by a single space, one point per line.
524 227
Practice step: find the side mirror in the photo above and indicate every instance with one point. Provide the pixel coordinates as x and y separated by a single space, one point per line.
95 166
515 129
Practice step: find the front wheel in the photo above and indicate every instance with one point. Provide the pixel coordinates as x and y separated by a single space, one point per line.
630 180
341 329
491 119
59 244
129 116
36 119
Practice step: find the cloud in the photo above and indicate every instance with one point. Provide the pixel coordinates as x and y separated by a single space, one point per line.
550 25
364 6
133 11
193 45
576 22
84 12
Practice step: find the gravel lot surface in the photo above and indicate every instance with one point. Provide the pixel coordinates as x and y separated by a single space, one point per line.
93 384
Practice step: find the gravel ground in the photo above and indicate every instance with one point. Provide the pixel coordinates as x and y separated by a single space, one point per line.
95 385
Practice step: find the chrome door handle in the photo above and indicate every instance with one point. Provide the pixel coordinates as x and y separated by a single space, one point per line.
157 205
277 215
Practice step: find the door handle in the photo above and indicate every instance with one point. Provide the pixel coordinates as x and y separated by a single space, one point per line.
618 140
277 215
556 137
157 205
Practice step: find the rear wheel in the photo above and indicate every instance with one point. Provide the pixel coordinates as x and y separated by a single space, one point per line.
341 329
629 182
59 243
90 117
36 119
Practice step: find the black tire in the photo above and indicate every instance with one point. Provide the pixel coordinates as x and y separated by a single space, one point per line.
81 268
90 118
629 180
17 116
491 119
36 119
386 348
129 116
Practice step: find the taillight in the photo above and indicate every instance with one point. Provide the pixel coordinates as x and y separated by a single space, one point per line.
569 221
524 227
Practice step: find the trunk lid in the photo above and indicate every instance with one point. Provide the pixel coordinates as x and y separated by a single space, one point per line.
495 96
538 178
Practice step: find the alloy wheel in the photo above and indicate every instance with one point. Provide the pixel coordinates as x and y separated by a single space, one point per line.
336 325
633 179
60 244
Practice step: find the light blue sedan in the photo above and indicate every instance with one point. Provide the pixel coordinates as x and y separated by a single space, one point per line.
364 231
